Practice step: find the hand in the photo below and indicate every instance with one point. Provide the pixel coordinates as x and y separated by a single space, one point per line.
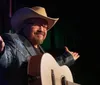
2 44
74 54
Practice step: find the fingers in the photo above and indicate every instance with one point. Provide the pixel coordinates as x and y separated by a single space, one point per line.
74 54
0 38
2 44
66 48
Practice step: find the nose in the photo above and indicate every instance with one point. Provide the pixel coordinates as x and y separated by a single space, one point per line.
41 28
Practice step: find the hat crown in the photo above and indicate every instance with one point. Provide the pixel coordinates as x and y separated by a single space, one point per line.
25 13
40 10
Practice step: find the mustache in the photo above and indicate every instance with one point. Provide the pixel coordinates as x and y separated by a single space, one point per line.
40 32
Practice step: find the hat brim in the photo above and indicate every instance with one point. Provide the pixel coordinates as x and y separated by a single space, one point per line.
26 13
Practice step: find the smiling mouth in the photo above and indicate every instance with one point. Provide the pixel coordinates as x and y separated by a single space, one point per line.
40 35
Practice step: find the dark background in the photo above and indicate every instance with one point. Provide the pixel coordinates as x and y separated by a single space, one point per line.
67 32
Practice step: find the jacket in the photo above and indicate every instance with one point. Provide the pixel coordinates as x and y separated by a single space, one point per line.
14 59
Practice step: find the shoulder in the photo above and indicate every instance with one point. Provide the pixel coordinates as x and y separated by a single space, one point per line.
9 36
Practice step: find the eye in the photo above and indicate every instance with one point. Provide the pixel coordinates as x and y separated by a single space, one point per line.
45 26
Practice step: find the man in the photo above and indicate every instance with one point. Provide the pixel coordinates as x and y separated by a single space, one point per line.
31 26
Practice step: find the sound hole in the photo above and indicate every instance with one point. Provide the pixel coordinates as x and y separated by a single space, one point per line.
64 81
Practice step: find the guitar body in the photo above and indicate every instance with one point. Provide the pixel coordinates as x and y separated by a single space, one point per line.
49 65
49 71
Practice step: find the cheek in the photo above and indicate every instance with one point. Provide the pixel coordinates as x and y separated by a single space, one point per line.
32 31
45 35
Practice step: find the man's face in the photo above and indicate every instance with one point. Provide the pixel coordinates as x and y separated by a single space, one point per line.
36 30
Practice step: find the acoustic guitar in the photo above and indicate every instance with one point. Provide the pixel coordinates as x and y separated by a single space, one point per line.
44 70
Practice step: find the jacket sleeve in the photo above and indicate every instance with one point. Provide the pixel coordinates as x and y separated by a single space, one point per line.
7 56
65 59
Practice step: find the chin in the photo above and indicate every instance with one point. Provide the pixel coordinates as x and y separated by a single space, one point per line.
39 41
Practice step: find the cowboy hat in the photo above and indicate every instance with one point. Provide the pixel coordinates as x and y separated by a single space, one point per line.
34 12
